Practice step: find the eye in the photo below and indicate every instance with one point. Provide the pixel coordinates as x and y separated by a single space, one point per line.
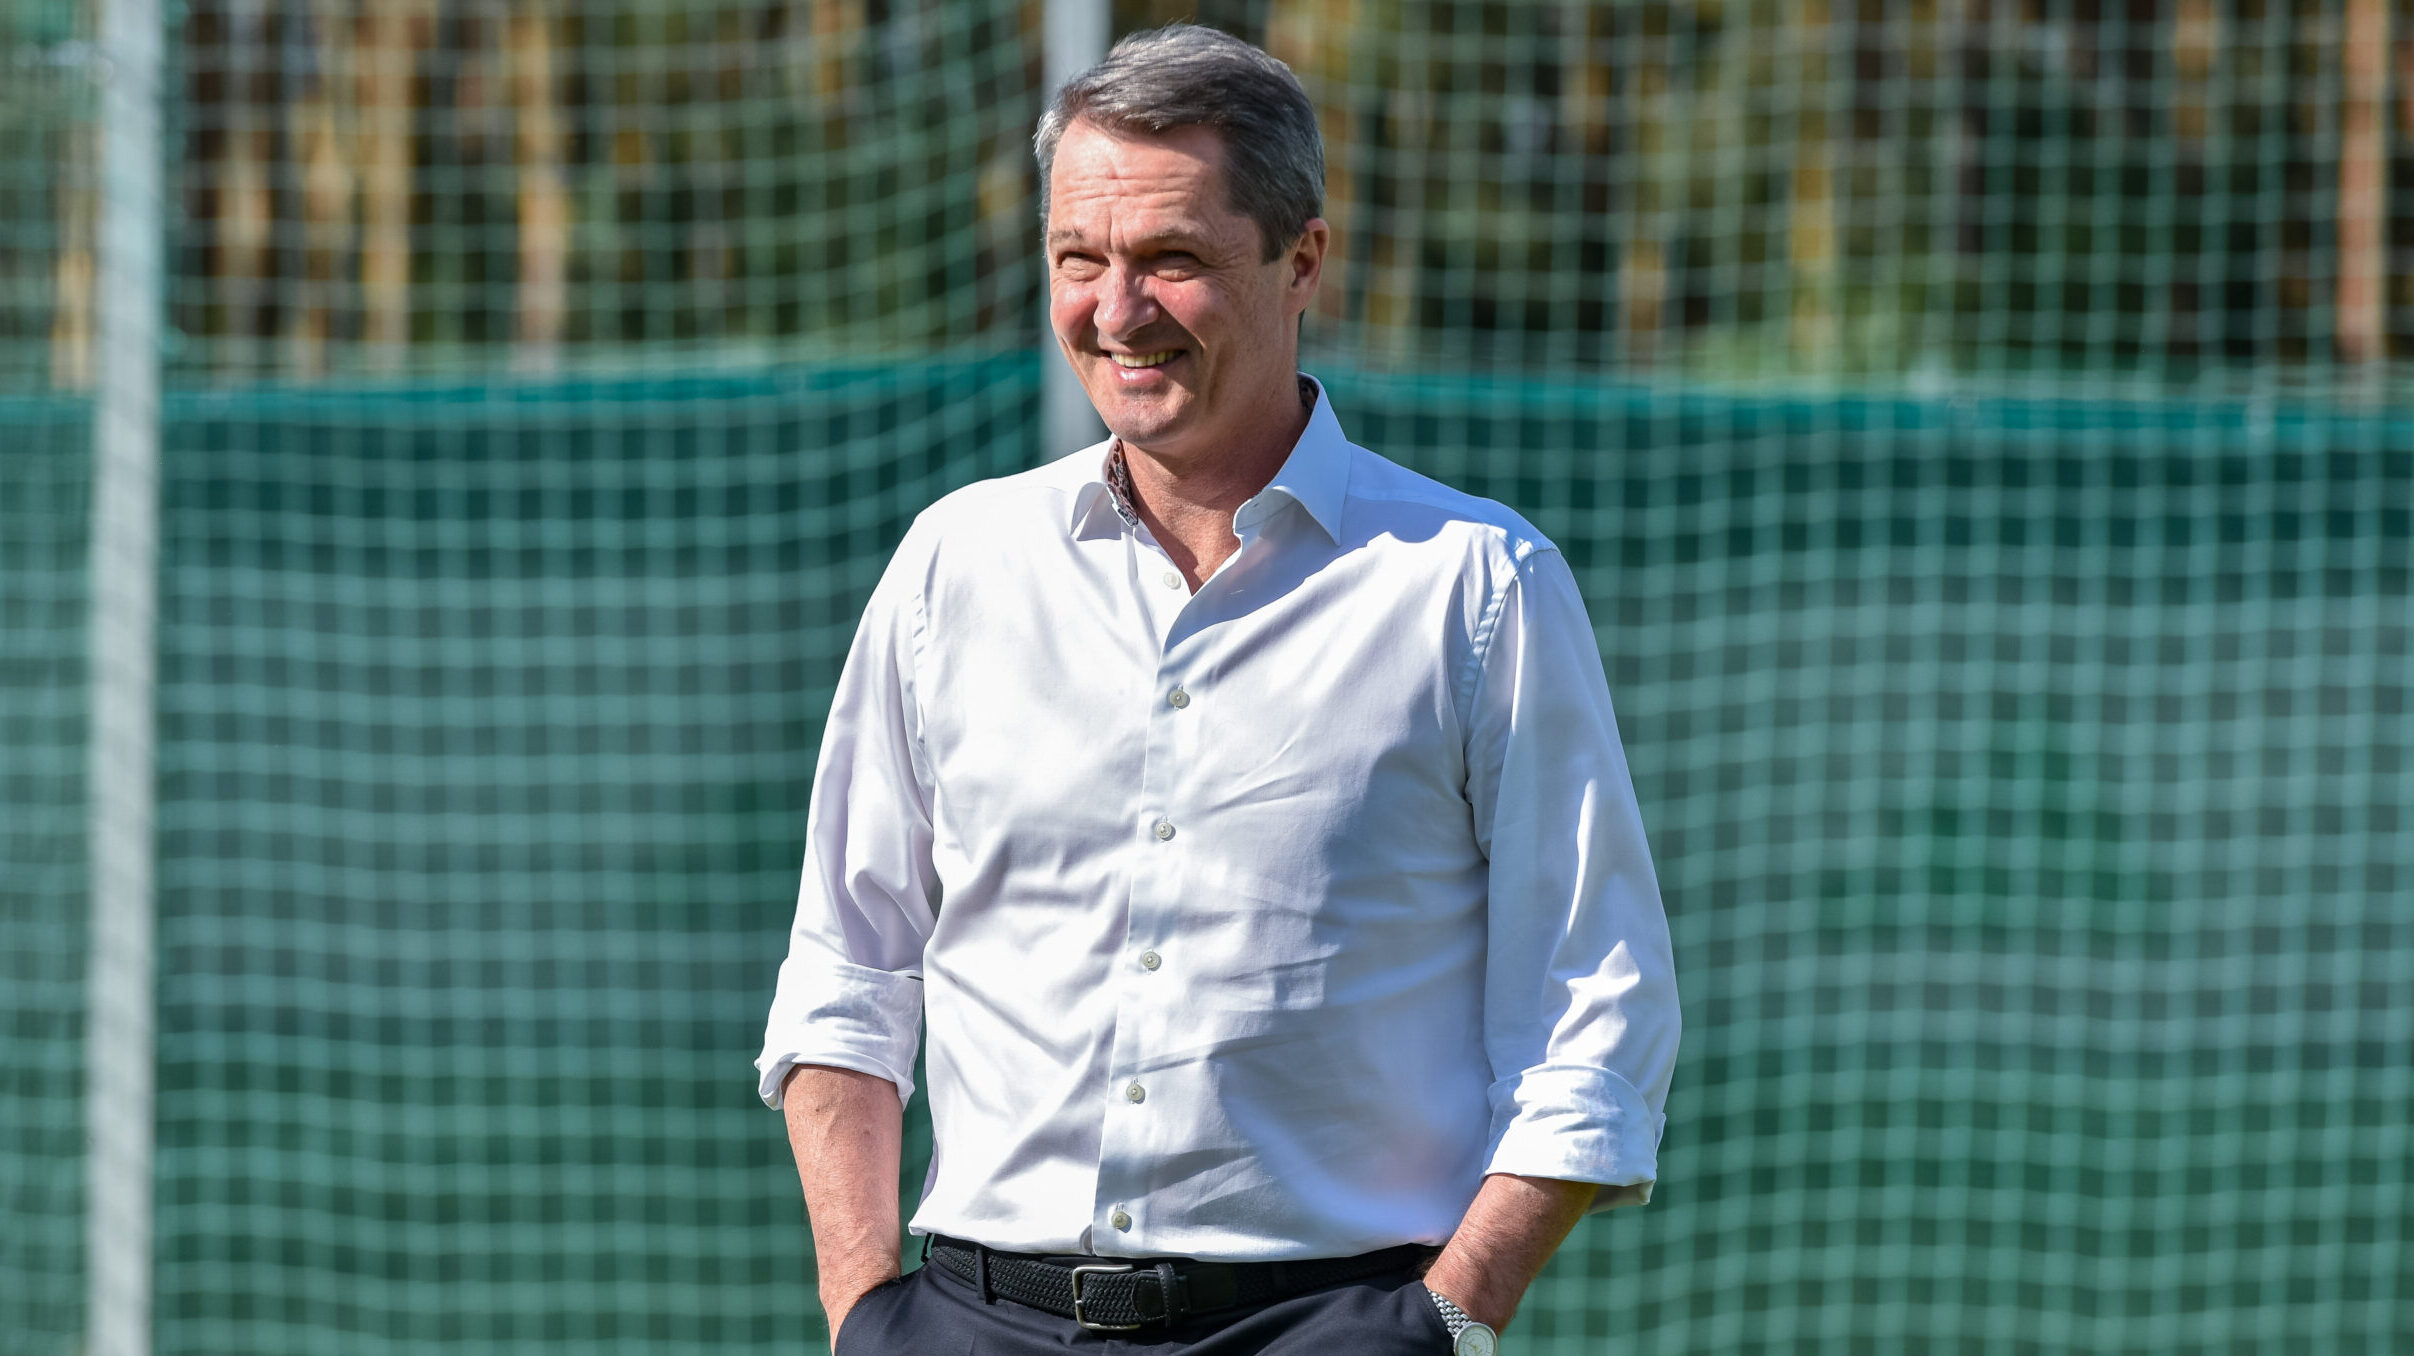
1079 267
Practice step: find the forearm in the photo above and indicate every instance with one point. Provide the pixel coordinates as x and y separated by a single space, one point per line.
1513 1227
848 1132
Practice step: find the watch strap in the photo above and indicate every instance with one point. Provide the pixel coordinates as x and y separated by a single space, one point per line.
1453 1317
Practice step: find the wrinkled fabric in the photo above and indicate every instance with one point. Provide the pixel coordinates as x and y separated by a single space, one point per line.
1255 923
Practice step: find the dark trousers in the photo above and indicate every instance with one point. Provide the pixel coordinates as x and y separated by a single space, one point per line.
934 1312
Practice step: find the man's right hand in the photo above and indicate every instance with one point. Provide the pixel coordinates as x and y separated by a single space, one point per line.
848 1132
837 1301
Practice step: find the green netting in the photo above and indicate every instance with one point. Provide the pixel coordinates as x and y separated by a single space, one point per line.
487 725
2028 780
45 479
1976 427
46 186
2029 784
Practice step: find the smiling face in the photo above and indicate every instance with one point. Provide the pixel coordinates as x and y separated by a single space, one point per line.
1184 335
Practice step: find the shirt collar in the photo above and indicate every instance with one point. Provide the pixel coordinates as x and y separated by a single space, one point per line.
1093 503
1315 476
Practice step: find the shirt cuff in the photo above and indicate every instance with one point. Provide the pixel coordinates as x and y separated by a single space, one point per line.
1576 1123
845 1016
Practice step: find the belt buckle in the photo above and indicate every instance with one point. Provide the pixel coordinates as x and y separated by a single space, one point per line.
1100 1269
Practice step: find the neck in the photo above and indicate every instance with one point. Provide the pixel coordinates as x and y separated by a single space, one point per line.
1188 501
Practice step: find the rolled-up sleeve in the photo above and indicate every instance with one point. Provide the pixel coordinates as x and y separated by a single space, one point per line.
1580 1007
850 990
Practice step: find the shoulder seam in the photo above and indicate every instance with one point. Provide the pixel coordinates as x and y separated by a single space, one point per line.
1427 492
916 647
1523 552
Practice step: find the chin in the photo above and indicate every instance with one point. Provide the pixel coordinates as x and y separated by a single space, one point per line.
1142 422
1135 436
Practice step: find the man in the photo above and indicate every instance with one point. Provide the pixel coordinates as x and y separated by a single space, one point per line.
1244 814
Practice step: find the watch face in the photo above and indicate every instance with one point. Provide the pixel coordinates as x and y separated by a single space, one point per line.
1476 1340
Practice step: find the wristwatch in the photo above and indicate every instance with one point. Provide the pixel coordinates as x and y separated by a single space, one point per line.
1467 1337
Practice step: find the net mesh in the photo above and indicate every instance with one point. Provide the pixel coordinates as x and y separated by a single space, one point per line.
46 98
43 933
1979 431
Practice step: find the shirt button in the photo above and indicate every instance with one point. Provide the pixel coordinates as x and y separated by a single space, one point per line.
1173 579
1164 829
1150 960
1177 699
1135 1094
1121 1221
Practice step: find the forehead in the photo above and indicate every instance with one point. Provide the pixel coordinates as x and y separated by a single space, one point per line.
1172 183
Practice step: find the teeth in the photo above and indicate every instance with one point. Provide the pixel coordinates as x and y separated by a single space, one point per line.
1144 359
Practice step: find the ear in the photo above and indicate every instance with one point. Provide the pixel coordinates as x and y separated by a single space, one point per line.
1304 265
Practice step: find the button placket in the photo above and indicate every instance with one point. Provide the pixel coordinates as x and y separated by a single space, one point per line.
1158 586
1131 1141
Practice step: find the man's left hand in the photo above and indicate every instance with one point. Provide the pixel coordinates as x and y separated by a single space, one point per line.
1513 1227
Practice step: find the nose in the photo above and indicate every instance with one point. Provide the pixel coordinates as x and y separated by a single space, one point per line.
1124 304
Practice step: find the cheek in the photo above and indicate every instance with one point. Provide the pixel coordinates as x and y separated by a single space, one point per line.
1068 303
1199 307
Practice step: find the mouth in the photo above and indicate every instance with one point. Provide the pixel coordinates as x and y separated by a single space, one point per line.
1139 361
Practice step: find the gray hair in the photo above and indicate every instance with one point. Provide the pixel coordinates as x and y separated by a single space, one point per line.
1183 75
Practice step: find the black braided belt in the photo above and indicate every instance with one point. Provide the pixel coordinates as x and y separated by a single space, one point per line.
1106 1294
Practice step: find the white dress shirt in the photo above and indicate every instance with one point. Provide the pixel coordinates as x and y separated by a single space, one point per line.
1253 923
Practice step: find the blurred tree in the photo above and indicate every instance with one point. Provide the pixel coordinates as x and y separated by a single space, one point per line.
318 34
2363 179
539 146
1727 188
1811 228
240 181
72 323
394 37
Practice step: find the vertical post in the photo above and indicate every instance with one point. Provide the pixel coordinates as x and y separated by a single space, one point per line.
1075 36
118 1099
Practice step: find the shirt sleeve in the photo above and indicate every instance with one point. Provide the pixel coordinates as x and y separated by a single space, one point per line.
850 990
1580 1007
